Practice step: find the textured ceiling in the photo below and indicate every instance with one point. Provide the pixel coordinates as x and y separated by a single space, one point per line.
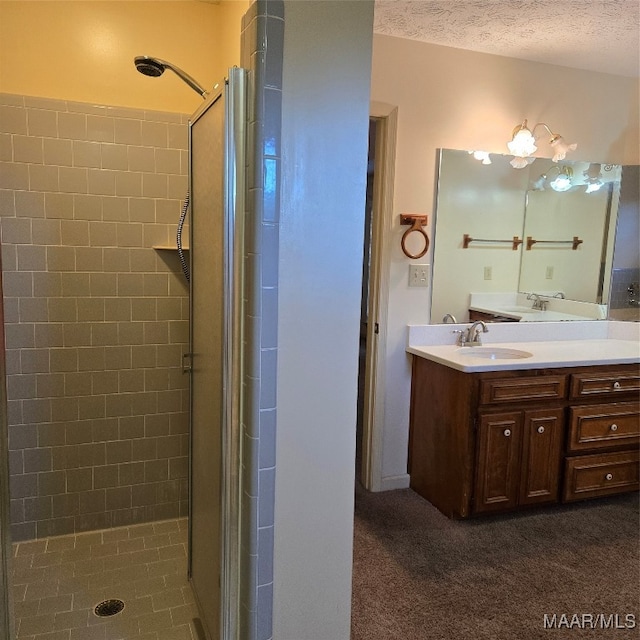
599 35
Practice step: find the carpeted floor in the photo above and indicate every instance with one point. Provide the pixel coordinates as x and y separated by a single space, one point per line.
420 576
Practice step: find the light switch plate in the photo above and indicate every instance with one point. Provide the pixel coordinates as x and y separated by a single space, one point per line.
418 275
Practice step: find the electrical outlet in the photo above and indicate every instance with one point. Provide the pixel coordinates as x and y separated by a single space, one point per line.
549 273
488 273
418 275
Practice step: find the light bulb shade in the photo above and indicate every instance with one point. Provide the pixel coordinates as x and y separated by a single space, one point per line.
521 163
561 183
561 148
594 171
538 185
522 144
483 156
593 178
593 186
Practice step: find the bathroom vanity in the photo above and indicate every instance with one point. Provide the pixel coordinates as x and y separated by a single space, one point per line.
490 432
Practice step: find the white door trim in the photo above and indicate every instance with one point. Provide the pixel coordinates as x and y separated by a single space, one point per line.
374 386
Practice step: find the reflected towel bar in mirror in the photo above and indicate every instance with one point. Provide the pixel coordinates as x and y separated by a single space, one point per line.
467 240
574 243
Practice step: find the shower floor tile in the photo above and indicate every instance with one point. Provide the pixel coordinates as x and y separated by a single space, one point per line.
57 583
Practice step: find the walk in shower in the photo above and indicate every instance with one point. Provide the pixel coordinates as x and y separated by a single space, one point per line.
97 316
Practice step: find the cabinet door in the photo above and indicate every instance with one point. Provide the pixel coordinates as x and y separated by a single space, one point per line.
497 477
541 456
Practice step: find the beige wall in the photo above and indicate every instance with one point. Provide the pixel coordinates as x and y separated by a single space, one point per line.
456 99
84 51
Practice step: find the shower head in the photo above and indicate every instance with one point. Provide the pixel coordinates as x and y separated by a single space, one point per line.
148 66
155 67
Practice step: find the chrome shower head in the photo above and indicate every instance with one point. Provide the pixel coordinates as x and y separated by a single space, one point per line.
154 67
148 66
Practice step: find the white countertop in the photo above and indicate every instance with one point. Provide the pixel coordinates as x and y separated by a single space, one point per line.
519 307
552 344
526 314
559 353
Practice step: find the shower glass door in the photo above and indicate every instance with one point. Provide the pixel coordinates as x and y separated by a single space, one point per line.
216 140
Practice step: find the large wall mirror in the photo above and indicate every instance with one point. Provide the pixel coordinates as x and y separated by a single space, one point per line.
566 232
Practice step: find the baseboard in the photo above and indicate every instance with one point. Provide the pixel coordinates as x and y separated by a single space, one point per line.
395 482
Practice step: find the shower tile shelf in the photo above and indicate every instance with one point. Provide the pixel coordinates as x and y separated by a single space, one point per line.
166 247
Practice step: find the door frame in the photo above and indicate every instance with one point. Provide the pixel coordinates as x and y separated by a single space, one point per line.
386 117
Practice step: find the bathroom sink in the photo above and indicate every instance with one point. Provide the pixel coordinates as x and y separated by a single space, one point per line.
493 353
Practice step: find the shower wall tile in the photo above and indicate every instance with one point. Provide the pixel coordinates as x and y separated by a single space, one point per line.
97 321
261 52
625 291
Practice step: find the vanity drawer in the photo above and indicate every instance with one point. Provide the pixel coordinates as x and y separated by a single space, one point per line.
503 390
604 384
601 475
600 426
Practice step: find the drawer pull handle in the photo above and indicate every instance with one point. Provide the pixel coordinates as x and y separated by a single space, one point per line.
616 385
609 476
507 432
540 429
614 427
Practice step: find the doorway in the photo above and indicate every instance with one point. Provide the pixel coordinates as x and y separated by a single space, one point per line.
375 295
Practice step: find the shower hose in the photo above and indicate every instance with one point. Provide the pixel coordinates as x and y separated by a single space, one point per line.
183 260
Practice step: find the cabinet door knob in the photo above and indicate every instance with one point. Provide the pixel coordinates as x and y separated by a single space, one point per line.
609 476
616 385
540 429
507 432
614 427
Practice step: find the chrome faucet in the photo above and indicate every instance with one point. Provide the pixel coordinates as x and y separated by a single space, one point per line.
474 333
449 318
470 337
538 303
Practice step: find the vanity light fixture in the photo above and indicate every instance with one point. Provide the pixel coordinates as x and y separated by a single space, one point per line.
483 156
523 145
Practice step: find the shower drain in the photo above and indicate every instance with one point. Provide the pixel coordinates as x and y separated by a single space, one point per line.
108 608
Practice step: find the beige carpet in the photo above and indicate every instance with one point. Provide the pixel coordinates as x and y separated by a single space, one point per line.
420 576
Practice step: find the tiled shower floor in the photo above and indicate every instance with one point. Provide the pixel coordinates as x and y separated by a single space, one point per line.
57 582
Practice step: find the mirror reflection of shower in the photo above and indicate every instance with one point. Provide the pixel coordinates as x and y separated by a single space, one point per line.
154 68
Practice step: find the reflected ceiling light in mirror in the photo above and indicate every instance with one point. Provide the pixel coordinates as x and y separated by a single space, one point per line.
523 144
483 156
562 182
538 185
593 177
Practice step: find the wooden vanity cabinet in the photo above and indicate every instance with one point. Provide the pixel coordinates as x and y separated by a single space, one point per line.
519 459
496 441
489 317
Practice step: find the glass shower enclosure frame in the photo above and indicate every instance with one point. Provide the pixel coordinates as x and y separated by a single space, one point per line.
217 134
